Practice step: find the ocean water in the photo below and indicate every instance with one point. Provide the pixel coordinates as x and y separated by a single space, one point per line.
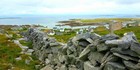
52 20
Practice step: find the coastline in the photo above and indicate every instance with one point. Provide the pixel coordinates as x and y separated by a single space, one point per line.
51 20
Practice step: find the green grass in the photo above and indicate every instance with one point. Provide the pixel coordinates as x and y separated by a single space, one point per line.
25 43
106 20
101 30
22 65
104 31
136 30
9 51
64 37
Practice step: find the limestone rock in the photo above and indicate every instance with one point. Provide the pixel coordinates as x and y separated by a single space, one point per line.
62 58
47 61
102 47
131 65
88 66
114 66
18 58
54 44
89 40
125 52
95 58
108 37
129 37
63 67
84 53
93 48
126 57
83 43
72 67
48 67
135 47
27 61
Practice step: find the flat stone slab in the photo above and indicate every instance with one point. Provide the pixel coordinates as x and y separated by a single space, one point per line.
84 53
88 66
114 66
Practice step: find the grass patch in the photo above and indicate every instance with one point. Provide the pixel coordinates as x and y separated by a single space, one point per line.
22 65
25 43
64 37
104 31
101 30
106 20
9 51
136 30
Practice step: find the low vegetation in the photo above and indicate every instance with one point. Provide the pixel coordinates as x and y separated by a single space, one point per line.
101 31
107 20
136 30
64 37
104 31
26 43
9 51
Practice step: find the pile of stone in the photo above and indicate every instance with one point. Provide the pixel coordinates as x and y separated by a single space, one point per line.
87 52
42 44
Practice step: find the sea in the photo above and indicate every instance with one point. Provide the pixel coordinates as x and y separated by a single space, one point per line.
51 21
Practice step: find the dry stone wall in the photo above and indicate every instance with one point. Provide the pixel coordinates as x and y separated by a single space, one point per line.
87 52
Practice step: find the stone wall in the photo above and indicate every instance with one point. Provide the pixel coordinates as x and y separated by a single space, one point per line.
87 52
117 26
42 44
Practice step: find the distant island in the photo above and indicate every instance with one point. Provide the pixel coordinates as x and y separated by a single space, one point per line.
10 17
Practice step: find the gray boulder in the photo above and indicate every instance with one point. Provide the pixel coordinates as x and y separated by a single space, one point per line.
114 66
63 67
125 57
72 67
95 58
128 38
84 54
102 47
135 47
108 37
88 66
124 52
48 67
131 65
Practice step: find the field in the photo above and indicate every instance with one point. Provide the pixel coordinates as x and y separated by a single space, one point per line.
101 31
107 20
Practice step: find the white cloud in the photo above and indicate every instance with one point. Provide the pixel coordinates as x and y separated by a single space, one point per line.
127 1
69 7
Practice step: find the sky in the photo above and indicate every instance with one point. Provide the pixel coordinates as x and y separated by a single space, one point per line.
43 7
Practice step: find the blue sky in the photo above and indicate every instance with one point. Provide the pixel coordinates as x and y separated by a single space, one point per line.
42 7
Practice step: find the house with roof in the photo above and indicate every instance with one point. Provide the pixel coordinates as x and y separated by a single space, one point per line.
50 32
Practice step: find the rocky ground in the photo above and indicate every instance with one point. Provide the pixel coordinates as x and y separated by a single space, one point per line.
25 49
86 52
